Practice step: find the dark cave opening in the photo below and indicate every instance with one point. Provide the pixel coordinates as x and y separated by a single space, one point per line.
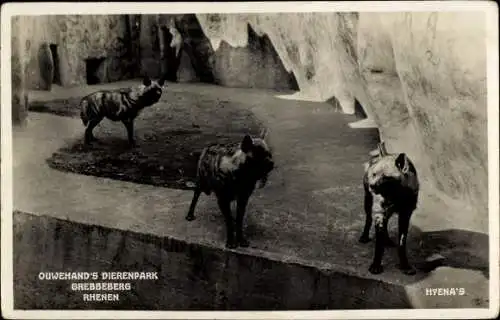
172 61
359 111
93 66
56 79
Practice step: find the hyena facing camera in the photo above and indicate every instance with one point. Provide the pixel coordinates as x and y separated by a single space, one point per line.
391 186
119 105
231 172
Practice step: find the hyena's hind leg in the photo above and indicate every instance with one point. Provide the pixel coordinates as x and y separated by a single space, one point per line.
91 124
129 126
368 202
376 266
225 208
403 224
196 195
388 242
241 206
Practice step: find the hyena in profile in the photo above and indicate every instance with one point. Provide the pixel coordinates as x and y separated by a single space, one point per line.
391 186
232 172
119 105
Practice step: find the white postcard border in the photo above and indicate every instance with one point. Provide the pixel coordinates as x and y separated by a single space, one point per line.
11 9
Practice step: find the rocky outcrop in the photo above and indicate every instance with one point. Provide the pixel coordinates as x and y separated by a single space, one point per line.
149 46
197 46
256 65
250 62
138 45
311 46
18 69
429 98
74 40
166 50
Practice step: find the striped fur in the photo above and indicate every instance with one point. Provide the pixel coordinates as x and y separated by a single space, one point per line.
391 186
232 172
118 105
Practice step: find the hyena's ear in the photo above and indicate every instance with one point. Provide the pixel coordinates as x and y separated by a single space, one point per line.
161 82
402 163
366 165
246 144
146 81
263 133
382 151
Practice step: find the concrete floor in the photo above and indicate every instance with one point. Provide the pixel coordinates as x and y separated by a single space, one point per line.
310 213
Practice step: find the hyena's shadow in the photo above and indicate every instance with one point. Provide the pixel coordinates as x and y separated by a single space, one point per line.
252 228
112 145
452 248
251 225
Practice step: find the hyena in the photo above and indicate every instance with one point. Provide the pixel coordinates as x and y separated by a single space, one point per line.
391 186
122 105
232 172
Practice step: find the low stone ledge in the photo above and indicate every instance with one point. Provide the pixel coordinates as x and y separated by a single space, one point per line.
191 276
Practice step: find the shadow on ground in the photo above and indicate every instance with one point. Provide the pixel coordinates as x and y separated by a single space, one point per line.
428 250
170 137
460 249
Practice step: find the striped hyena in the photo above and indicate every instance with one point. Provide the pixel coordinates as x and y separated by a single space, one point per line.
123 105
391 186
231 172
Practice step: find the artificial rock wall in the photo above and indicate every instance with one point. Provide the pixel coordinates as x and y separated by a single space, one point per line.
75 38
420 76
18 67
128 46
161 44
251 64
432 102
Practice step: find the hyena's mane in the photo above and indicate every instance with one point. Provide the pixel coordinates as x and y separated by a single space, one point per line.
140 93
210 175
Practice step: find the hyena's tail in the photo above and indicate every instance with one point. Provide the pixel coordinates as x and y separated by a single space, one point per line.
84 112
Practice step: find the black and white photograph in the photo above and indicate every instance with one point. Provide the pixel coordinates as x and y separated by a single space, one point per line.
250 160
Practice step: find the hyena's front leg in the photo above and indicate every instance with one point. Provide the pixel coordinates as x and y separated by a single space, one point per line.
240 215
403 224
388 242
225 208
129 125
365 236
380 234
196 196
89 136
